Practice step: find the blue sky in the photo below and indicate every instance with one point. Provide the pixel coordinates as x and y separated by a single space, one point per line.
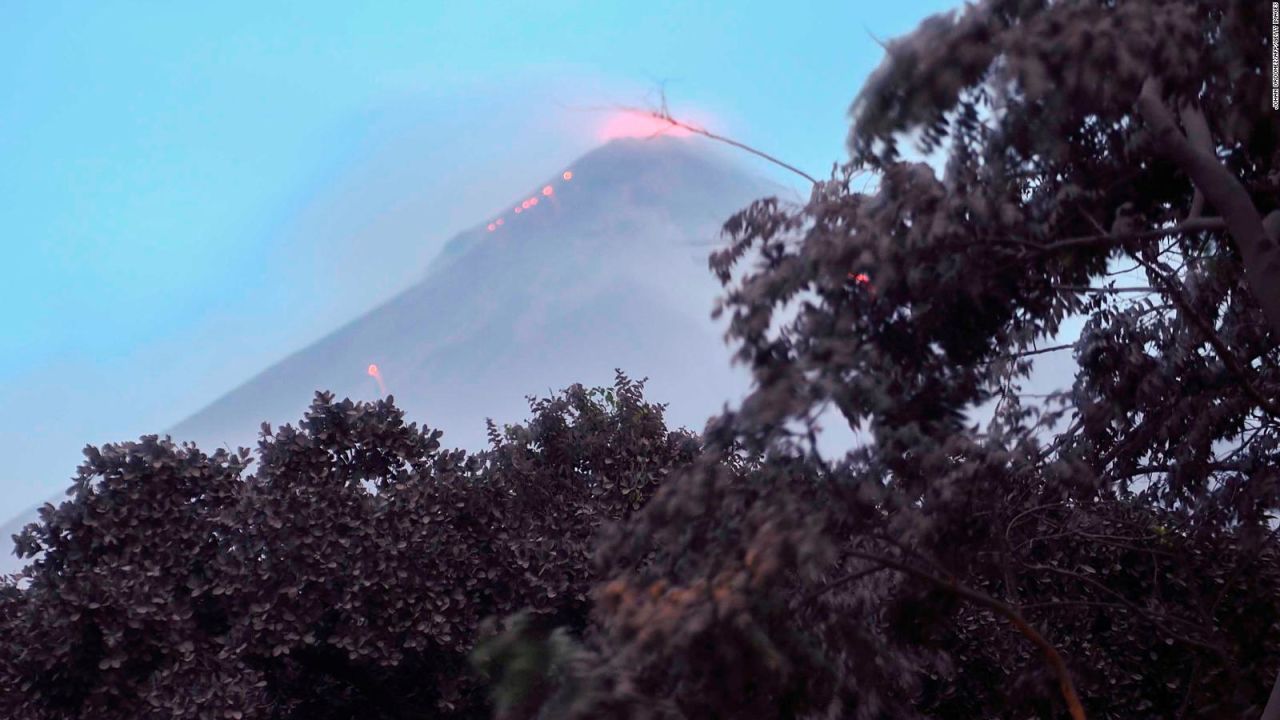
190 193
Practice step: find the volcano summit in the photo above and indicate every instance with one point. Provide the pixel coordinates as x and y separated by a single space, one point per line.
608 271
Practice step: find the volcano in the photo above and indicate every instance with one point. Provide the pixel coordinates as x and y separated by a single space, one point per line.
608 270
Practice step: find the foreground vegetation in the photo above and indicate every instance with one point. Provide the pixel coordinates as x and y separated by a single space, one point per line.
1105 552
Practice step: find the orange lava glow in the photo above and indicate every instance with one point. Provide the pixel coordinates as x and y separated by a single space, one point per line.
376 374
500 221
518 210
863 281
568 175
548 190
630 123
533 201
492 226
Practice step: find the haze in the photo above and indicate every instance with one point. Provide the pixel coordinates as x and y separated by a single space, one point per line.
190 195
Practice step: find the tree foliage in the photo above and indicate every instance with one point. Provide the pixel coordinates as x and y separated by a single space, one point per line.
1106 552
347 576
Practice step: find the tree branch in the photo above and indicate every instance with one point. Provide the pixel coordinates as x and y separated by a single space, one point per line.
1028 353
838 582
1200 136
1051 654
1156 620
663 114
1224 353
1190 226
1102 290
1227 195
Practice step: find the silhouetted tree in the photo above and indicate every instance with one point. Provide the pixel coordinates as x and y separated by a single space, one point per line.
346 577
1108 551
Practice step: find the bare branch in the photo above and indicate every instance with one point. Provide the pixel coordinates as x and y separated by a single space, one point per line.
1198 133
1102 290
1227 195
1034 351
1104 239
838 582
663 114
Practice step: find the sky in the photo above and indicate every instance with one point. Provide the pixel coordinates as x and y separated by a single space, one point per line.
190 192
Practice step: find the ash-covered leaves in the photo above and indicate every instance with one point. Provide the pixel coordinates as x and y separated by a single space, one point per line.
1127 519
348 576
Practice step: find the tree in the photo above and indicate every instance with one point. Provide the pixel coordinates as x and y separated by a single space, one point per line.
348 576
1105 552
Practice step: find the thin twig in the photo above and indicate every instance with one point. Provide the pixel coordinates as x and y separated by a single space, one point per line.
1190 226
1035 351
663 114
1103 290
838 582
1156 620
1224 353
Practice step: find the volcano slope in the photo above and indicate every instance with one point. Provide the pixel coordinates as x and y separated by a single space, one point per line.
607 271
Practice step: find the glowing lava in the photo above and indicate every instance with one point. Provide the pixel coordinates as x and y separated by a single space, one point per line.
547 192
636 124
376 374
863 280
